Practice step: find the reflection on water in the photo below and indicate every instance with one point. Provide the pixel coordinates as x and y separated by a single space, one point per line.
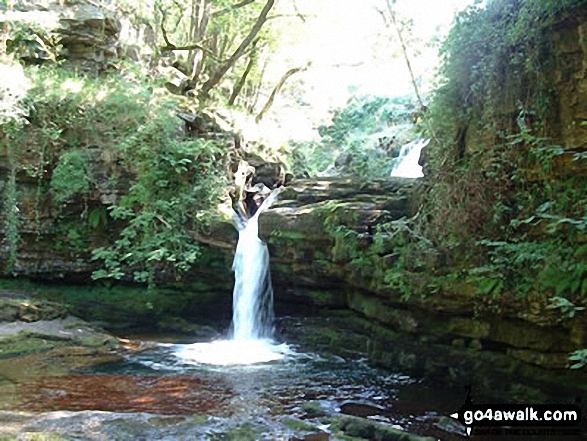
157 381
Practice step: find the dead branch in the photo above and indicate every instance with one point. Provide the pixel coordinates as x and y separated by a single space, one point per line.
408 63
277 89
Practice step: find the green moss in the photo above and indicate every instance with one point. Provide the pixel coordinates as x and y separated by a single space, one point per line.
244 432
298 425
199 419
45 437
122 305
29 342
313 409
327 297
365 429
289 235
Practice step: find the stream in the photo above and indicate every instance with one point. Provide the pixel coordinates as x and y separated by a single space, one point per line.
279 400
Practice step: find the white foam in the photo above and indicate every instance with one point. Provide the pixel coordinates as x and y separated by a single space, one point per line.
252 320
232 352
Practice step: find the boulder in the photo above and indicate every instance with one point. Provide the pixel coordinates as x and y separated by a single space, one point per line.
86 34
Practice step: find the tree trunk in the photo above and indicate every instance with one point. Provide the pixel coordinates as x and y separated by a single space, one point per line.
5 32
276 90
225 67
257 90
241 82
197 57
398 30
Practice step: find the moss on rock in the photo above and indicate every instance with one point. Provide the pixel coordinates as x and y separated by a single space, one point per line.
365 429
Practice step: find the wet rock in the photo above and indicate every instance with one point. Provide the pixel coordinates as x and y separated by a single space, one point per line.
302 426
361 409
318 436
58 361
450 425
124 426
552 360
14 306
375 308
179 325
366 429
25 342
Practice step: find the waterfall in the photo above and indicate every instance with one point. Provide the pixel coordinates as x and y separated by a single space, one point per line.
252 317
406 165
252 298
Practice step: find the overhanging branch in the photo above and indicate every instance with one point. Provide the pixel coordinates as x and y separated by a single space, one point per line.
277 89
232 8
239 52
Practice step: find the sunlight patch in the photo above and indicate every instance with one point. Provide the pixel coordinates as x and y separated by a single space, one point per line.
73 85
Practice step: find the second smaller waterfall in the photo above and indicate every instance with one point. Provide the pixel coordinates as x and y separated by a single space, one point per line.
407 165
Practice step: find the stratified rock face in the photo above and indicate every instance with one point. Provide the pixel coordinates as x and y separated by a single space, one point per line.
89 34
569 39
321 236
300 228
86 34
565 67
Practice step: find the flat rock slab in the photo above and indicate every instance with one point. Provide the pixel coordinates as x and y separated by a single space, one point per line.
90 425
67 328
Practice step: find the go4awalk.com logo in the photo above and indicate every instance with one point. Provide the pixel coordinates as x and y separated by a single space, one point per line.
509 419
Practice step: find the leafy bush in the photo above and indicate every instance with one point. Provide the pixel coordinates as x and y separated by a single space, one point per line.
494 212
70 177
128 122
177 181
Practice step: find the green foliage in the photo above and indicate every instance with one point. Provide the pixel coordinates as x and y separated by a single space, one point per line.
10 137
495 206
11 220
177 181
566 308
32 42
97 217
580 359
71 110
70 177
392 255
361 140
128 124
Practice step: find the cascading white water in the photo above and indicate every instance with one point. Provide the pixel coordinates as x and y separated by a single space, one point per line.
252 319
406 165
252 301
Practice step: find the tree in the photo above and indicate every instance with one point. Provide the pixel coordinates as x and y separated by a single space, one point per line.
211 32
239 52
